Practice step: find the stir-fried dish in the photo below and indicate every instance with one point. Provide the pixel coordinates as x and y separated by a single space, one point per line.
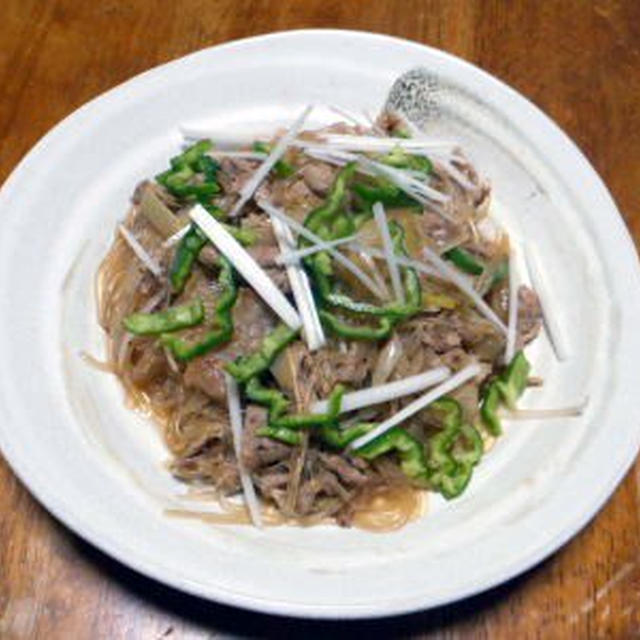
325 322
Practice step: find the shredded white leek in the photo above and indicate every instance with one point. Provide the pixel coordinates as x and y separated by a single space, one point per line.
417 189
240 155
403 179
460 281
443 160
401 260
235 418
386 392
554 330
548 414
141 253
269 208
347 115
177 236
420 403
248 268
277 152
448 167
512 324
301 289
375 272
387 245
294 256
385 145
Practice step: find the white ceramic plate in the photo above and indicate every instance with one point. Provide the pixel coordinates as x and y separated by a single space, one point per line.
98 467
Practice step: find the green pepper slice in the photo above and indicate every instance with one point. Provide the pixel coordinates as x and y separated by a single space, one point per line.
223 329
171 319
464 260
246 367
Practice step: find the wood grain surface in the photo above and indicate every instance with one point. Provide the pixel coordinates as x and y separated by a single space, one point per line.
579 61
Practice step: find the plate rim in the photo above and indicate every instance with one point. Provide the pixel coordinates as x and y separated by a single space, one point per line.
228 597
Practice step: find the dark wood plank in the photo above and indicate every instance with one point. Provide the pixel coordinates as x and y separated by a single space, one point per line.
578 61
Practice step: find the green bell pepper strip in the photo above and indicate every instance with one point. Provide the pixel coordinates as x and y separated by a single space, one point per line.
356 332
246 237
305 420
389 313
275 400
190 157
385 192
282 168
278 403
223 322
319 220
410 452
208 167
400 159
513 381
464 260
489 409
452 485
340 438
251 365
189 249
450 461
286 427
507 388
470 455
171 319
288 436
500 273
179 179
185 255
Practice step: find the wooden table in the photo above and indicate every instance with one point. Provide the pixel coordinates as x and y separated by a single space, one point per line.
580 61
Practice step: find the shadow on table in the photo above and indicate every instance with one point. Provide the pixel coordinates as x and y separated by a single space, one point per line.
241 623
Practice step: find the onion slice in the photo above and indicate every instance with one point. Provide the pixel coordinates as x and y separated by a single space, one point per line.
420 403
248 268
177 236
140 251
386 392
235 417
387 360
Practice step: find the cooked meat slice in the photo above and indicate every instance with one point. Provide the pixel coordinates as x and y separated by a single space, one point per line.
149 363
443 232
323 483
529 311
206 373
318 176
349 367
260 224
435 332
256 450
252 320
344 469
234 173
272 480
529 315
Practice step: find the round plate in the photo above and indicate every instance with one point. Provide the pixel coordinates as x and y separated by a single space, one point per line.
99 467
